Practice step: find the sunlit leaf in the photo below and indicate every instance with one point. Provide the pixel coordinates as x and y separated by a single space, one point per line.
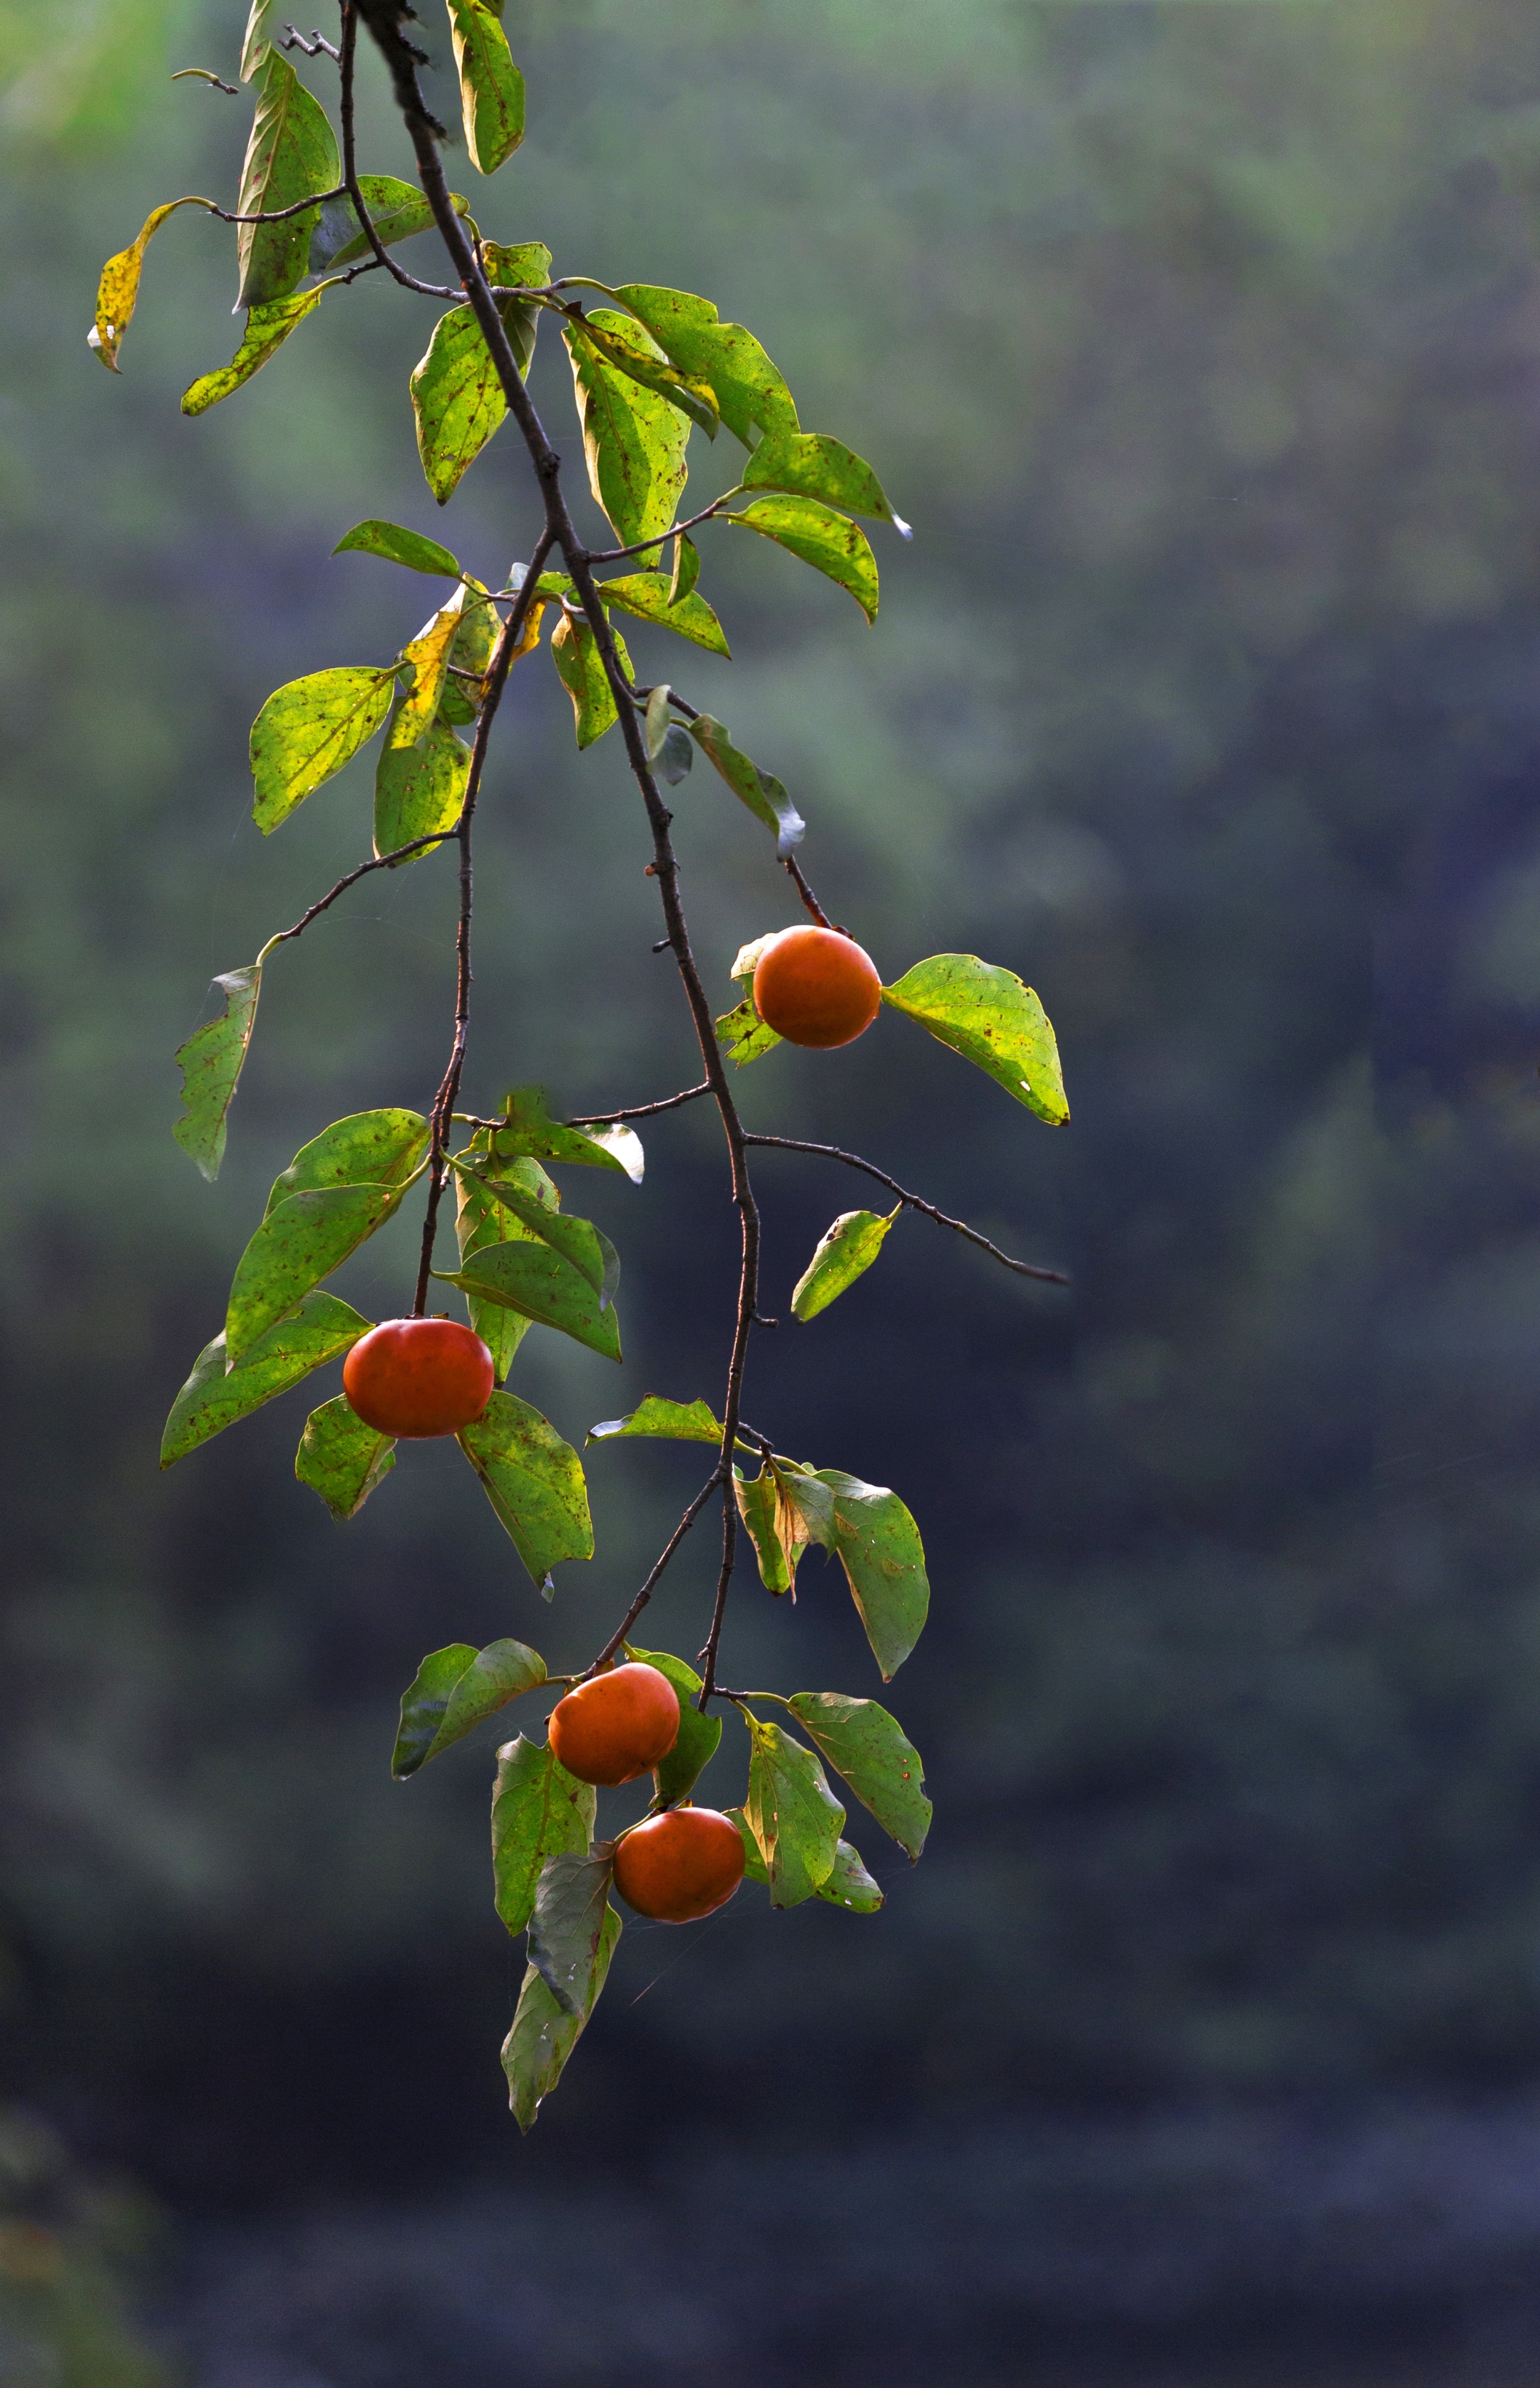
397 210
259 28
535 1279
523 265
847 1250
686 569
543 2035
634 440
398 546
637 358
878 1543
267 328
760 790
791 1812
750 394
649 595
534 1481
211 1065
455 1690
775 1525
341 1459
867 1745
301 1242
849 1885
532 1130
378 1148
987 1015
307 731
291 152
427 656
567 1926
117 290
457 395
538 1811
829 542
419 789
675 1421
492 88
695 1744
744 1035
754 1864
585 1246
575 652
215 1396
481 1220
811 464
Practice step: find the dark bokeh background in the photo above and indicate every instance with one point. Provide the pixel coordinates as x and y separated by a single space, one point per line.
1202 346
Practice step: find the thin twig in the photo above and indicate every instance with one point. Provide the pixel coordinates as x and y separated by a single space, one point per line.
205 76
911 1203
349 166
640 1603
278 215
790 862
377 862
644 546
642 1110
312 44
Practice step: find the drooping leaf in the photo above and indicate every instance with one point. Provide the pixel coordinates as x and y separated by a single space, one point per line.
677 1421
453 1691
845 1253
633 438
750 394
746 960
792 1813
341 1459
307 730
531 1129
534 1279
522 266
117 290
215 1396
575 652
267 328
760 790
300 1242
678 1773
427 655
260 27
775 1524
291 152
649 595
456 394
567 1926
419 789
675 756
744 1035
398 546
636 356
481 1220
534 1481
381 1147
849 1885
397 210
543 2035
538 1811
867 1745
754 1864
686 569
211 1065
586 1247
492 88
832 543
878 1544
987 1015
811 464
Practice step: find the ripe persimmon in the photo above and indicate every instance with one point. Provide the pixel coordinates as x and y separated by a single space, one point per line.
679 1866
418 1377
814 987
617 1726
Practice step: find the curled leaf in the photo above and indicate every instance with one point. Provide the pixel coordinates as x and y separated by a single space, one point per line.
267 328
760 790
117 290
210 1063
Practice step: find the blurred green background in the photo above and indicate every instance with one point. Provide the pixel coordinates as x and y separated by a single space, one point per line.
1202 344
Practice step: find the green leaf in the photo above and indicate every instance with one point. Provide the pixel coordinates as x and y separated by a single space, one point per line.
678 1773
341 1459
567 1926
830 543
397 210
535 1279
399 546
492 88
686 571
675 756
117 290
633 438
267 328
575 652
754 1864
849 1885
846 1251
457 395
987 1015
792 1813
453 1691
534 1481
750 394
775 1525
381 1147
760 790
531 1129
743 1034
420 790
543 2036
538 1811
210 1065
427 655
300 1242
307 730
216 1395
811 464
258 37
524 265
482 1220
878 1544
291 152
637 358
649 595
588 1250
867 1745
678 1421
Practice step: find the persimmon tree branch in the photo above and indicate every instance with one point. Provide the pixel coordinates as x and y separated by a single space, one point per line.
910 1201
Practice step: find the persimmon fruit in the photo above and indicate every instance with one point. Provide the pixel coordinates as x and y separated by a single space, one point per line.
617 1726
815 986
681 1865
418 1377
